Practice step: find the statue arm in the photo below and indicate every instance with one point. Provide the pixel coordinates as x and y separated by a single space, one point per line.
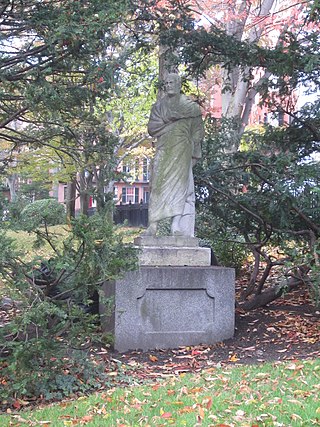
161 120
156 125
197 135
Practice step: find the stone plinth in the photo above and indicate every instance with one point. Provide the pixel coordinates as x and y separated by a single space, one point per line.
172 256
166 241
168 307
172 251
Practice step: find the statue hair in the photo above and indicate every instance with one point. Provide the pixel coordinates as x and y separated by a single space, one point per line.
175 75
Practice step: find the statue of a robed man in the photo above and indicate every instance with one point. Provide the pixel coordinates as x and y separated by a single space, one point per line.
176 123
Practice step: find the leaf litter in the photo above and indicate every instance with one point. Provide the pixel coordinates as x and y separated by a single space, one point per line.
285 331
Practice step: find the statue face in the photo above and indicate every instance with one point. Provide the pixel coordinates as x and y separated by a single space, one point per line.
172 84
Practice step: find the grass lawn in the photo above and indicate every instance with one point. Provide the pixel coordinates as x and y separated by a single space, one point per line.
280 394
24 241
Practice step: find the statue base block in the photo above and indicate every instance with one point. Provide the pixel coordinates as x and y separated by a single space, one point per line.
166 241
167 307
175 256
172 251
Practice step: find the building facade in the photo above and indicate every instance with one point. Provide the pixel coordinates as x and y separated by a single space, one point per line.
131 188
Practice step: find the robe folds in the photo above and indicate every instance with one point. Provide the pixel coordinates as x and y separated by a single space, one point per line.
177 125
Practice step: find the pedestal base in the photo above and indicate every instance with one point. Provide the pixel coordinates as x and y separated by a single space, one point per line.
168 307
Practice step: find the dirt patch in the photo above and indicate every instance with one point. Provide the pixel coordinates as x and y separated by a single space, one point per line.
273 334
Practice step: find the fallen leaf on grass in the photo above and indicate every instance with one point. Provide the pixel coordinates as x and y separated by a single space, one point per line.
201 413
296 417
86 419
166 415
186 410
207 402
294 367
196 390
262 375
20 419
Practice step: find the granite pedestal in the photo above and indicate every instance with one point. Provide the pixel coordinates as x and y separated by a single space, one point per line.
168 307
176 298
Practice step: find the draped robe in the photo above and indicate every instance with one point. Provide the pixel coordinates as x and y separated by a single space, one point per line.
177 125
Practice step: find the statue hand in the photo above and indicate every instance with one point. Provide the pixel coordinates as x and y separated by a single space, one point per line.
194 161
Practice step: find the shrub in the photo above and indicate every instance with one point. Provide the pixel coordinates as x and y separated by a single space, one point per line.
42 212
14 211
42 347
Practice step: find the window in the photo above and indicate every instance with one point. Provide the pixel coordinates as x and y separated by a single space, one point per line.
145 170
130 170
130 195
65 195
115 193
125 168
136 195
145 194
136 170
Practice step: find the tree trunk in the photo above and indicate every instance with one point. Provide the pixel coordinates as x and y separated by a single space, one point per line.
270 295
237 101
85 190
71 200
13 186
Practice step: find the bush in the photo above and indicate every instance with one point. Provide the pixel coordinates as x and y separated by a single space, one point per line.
14 209
42 212
40 346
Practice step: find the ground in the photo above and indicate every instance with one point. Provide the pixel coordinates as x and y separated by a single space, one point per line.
288 329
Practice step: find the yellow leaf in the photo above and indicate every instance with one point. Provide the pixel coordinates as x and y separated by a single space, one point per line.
298 392
186 410
233 358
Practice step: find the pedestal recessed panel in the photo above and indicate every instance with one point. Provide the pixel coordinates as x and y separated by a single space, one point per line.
173 310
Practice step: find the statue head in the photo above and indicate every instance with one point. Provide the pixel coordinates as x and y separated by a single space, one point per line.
172 84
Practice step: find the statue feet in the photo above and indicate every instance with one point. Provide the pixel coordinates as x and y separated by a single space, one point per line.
177 233
151 230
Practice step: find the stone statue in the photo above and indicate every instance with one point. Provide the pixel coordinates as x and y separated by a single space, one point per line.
176 122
